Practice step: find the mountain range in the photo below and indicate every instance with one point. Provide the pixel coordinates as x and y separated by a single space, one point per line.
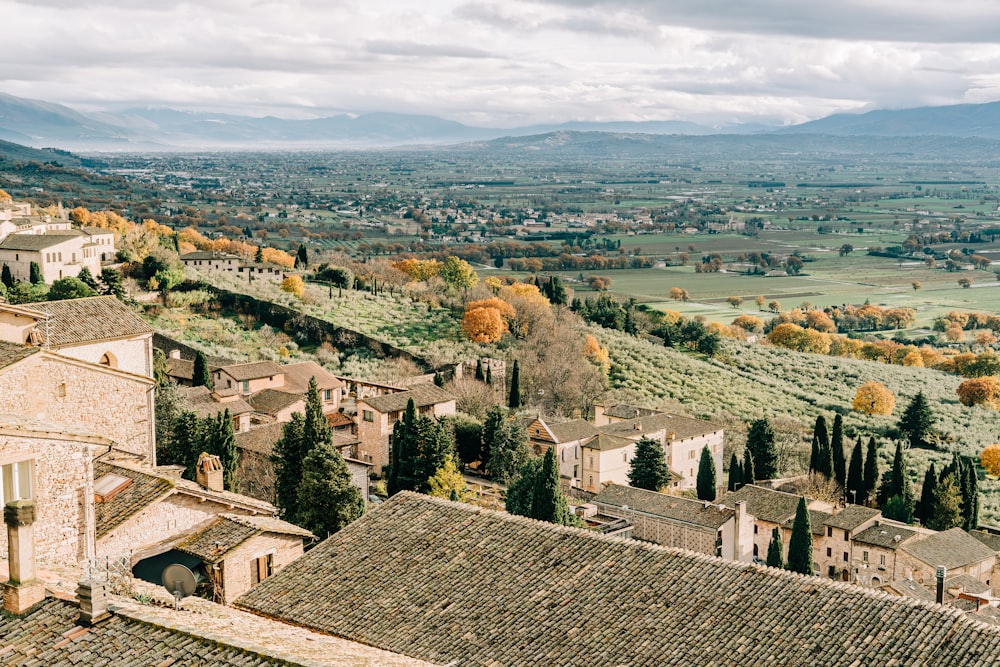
37 123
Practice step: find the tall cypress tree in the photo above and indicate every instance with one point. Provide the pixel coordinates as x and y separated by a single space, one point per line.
814 455
895 493
35 273
706 482
521 492
514 399
315 428
648 469
221 441
186 443
823 463
201 377
749 470
800 547
489 374
548 502
735 473
327 499
871 470
855 475
287 458
837 447
7 277
435 445
302 257
946 505
479 370
925 506
760 443
775 549
970 497
402 472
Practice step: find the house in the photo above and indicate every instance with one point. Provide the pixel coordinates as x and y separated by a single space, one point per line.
250 379
59 254
567 437
770 509
211 261
378 414
204 402
259 270
834 550
619 412
99 329
238 552
672 521
954 549
563 596
874 561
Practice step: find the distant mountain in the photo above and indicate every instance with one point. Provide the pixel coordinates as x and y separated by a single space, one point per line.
959 120
37 123
16 153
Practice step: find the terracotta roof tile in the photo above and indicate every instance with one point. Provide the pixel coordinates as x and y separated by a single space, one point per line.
765 504
422 395
297 377
885 535
953 549
851 517
681 427
690 511
228 531
76 321
11 353
252 370
144 490
273 401
200 401
577 429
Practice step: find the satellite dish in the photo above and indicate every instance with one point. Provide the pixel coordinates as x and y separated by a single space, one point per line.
179 582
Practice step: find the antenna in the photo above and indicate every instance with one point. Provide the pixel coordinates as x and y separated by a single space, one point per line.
179 582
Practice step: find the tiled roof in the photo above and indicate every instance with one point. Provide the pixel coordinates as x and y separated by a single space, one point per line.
967 583
338 420
199 400
228 498
49 635
36 242
260 439
694 512
422 395
252 371
910 589
952 548
144 490
817 519
577 429
452 583
272 401
765 504
885 536
297 377
603 442
681 427
851 517
97 231
626 411
11 353
75 321
180 368
989 539
228 531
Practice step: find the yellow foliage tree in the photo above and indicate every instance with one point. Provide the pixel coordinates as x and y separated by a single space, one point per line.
872 398
749 323
597 354
484 325
990 458
279 257
979 391
448 482
293 285
5 197
419 269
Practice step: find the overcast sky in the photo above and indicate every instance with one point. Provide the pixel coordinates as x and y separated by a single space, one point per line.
505 63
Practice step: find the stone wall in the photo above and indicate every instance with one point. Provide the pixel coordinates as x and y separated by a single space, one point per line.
236 573
132 355
63 391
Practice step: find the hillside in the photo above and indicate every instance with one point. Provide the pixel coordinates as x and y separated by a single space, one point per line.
11 153
959 120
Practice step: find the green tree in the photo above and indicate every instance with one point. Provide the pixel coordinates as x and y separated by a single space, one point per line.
327 500
760 442
925 506
514 399
970 497
186 443
287 457
548 502
855 475
506 443
822 461
735 473
435 447
201 377
458 273
87 278
69 288
800 546
258 256
775 549
706 483
648 469
302 257
220 440
402 466
479 371
521 492
448 482
749 470
167 410
917 421
837 446
111 283
898 509
6 277
468 437
871 470
895 492
35 274
946 505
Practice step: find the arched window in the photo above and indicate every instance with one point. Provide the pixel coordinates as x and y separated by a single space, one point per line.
108 360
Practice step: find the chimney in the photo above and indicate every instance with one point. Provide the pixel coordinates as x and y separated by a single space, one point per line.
208 472
93 596
23 590
941 571
175 354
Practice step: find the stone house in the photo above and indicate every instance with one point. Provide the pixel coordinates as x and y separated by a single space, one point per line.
619 412
211 261
250 379
204 402
378 414
874 552
238 552
62 253
259 270
678 522
770 509
953 549
567 437
834 549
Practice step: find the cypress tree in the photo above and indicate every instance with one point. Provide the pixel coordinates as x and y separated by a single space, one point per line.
855 475
438 379
35 274
186 442
402 472
925 506
800 551
489 374
287 458
435 445
479 370
648 469
514 400
749 470
775 555
221 441
327 500
706 483
548 502
258 256
505 442
315 428
760 442
970 499
735 473
871 470
302 257
820 432
7 277
521 492
201 377
946 506
895 494
824 456
837 446
917 421
814 455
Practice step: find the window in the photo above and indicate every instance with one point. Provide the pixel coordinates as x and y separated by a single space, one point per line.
108 359
864 556
755 529
261 568
624 457
881 560
327 394
15 481
847 536
246 386
829 531
691 454
829 552
847 556
368 415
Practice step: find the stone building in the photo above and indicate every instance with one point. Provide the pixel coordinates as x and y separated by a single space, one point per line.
567 437
770 509
378 414
61 253
211 261
955 550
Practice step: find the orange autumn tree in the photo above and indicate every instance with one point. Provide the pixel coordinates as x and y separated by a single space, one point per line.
872 398
990 458
483 325
979 391
596 353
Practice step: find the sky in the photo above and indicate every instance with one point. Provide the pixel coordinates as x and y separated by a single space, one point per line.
505 63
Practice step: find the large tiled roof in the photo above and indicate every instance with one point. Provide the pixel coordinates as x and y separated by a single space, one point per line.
297 377
11 353
576 429
884 536
681 427
851 517
626 411
144 490
252 370
228 531
207 254
604 442
952 548
992 540
817 519
765 504
451 583
76 321
260 439
422 395
49 636
36 242
696 512
199 400
228 498
272 401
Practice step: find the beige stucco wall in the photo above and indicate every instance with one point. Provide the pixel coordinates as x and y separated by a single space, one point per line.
63 260
924 573
223 380
236 574
132 355
14 328
51 388
612 466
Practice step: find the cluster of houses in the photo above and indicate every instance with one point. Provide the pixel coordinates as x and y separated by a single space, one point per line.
50 241
210 260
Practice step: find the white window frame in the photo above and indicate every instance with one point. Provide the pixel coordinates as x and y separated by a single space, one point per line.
17 481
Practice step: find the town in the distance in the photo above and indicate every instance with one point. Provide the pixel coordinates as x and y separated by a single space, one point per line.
478 407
